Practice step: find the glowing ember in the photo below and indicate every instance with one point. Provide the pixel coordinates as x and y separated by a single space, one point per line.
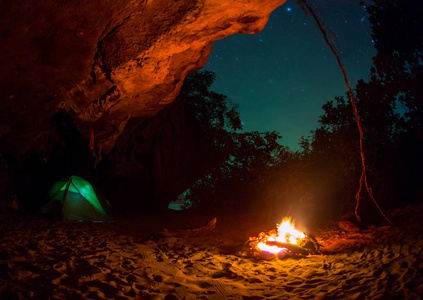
286 233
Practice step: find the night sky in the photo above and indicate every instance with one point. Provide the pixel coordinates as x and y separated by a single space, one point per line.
281 77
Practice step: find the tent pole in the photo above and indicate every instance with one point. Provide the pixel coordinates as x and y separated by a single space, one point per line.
66 196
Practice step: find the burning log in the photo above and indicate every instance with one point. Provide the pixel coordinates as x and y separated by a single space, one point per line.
290 247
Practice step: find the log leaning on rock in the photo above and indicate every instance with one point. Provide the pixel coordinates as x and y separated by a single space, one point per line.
202 231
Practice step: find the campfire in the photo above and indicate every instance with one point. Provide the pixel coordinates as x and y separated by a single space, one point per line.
283 241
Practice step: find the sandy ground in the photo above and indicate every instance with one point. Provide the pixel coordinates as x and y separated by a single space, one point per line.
128 259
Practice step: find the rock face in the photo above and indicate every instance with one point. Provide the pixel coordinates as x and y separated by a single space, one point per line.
75 69
104 62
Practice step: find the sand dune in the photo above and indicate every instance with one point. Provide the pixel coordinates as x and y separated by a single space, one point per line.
127 259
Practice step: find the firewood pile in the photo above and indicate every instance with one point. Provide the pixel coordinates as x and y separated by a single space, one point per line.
285 241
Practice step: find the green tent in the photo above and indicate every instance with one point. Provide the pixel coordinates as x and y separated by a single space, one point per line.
76 200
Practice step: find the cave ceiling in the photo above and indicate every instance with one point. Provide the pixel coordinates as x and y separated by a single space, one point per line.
104 62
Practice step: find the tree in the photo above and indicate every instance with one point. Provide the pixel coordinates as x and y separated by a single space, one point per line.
237 158
396 27
396 31
391 134
212 110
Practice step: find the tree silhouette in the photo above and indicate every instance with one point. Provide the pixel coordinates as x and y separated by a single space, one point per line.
390 108
238 159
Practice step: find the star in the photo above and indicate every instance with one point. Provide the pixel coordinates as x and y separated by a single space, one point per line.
296 73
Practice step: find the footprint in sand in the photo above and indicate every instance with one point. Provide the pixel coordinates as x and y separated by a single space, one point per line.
204 284
226 273
108 290
254 280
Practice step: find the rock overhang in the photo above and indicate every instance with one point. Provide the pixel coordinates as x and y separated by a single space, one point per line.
105 62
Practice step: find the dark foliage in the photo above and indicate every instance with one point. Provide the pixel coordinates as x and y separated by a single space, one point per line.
324 176
239 159
390 108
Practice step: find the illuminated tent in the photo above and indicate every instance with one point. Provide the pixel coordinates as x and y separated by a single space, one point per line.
76 199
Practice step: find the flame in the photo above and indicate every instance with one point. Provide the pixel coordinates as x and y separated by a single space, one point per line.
286 233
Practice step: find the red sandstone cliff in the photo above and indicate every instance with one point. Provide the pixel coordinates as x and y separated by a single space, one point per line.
104 62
